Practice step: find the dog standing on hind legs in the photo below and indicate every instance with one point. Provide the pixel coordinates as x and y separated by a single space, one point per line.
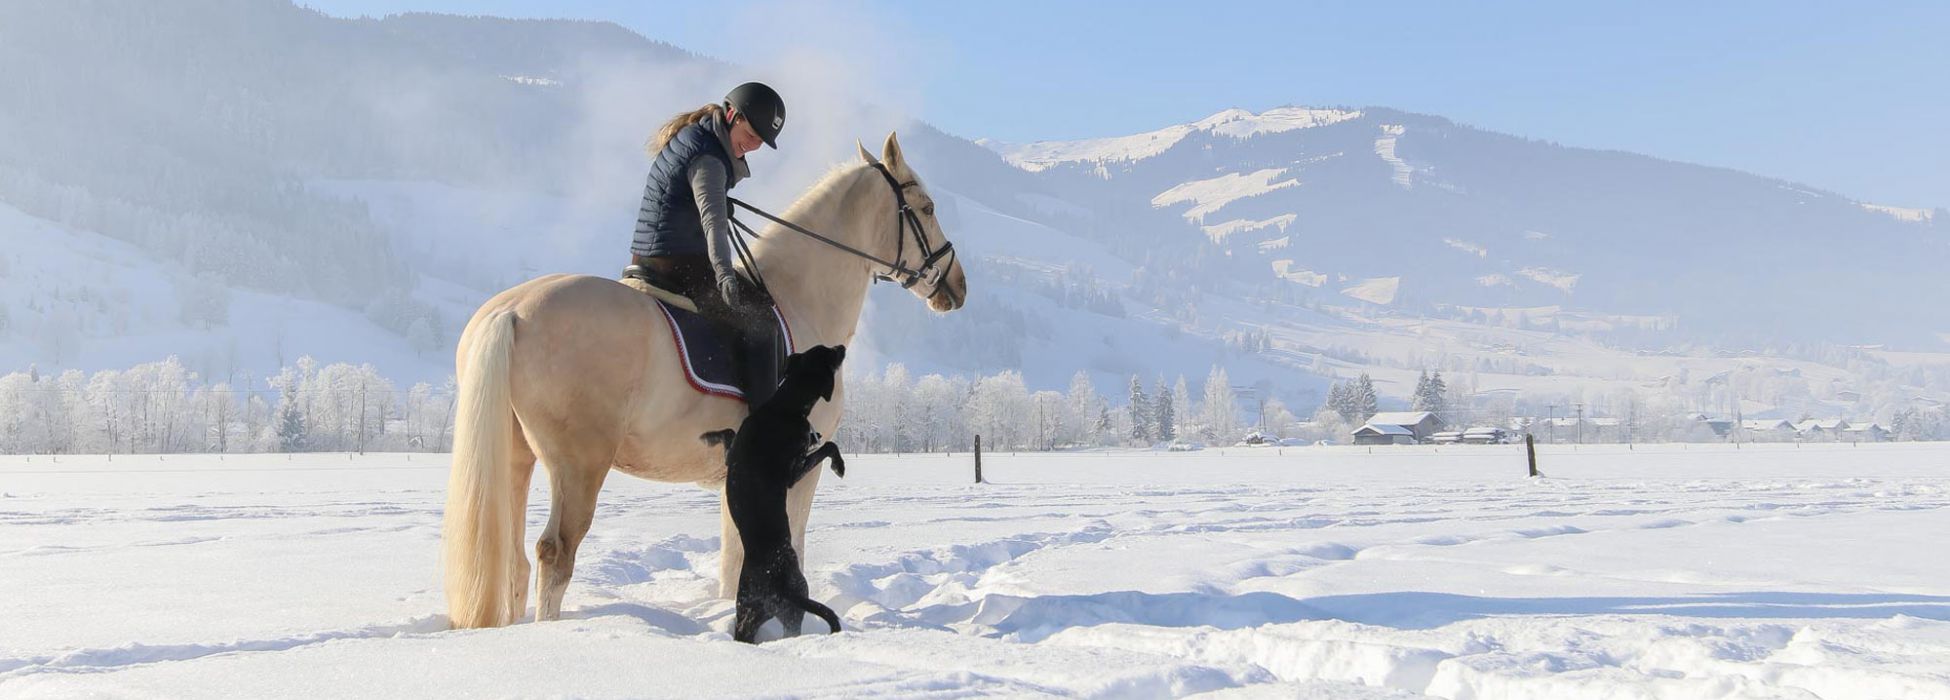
769 453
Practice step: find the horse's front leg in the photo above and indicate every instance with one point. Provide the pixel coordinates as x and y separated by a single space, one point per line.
731 550
798 506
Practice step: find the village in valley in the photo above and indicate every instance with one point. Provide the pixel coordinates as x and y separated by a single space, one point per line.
1438 416
1426 428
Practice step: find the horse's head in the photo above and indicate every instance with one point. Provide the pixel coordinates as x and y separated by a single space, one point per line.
917 242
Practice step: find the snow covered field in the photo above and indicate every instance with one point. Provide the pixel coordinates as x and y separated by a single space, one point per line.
1660 572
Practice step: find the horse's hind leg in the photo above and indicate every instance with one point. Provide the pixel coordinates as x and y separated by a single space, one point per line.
576 466
523 472
731 550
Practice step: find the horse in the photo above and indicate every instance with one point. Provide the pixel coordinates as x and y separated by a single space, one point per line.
581 372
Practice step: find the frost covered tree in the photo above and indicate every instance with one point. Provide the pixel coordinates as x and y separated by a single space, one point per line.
420 337
220 412
1431 394
1279 421
1182 410
1167 412
1080 415
1326 424
203 300
1047 409
1220 409
1340 400
16 412
1142 418
1363 399
938 403
291 422
999 411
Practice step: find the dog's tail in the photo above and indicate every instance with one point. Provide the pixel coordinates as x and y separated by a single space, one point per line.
718 437
824 613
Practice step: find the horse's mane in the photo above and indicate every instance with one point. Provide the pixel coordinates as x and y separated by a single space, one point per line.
836 178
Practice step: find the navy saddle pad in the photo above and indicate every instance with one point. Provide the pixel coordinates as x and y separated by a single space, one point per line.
707 354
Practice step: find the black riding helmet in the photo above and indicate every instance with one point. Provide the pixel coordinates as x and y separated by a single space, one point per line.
761 106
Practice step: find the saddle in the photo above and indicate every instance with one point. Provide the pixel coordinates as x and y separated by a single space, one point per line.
703 349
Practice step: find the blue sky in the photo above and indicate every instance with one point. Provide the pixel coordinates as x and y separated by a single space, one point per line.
1850 97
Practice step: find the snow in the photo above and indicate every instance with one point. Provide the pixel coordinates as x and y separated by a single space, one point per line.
486 239
1385 428
81 300
1914 216
1555 278
1661 571
981 230
1234 123
1377 290
1399 417
1384 146
1221 231
1467 247
1210 194
1285 269
1239 123
531 80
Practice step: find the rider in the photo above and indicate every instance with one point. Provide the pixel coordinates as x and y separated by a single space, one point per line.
683 229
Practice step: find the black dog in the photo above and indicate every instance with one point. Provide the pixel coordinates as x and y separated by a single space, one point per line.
767 454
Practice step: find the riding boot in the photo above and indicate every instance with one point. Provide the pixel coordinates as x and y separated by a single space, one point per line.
758 363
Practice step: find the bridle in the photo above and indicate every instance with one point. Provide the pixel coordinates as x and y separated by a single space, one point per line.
934 261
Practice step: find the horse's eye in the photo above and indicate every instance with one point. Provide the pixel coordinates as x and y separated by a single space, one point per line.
929 209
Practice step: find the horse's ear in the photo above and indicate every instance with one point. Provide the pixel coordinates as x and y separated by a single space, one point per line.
891 153
864 155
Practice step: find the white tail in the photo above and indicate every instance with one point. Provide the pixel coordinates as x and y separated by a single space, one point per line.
479 538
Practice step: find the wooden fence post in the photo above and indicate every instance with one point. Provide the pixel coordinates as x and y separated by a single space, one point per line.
978 459
1530 448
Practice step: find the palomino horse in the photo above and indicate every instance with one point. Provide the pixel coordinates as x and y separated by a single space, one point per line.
581 372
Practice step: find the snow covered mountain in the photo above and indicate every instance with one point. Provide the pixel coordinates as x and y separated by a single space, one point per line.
1419 214
241 183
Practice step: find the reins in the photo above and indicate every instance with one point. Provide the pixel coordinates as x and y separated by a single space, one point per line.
931 270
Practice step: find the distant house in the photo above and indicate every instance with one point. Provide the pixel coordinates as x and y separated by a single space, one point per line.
1485 436
1384 434
1821 430
1865 432
1390 428
1447 437
1767 429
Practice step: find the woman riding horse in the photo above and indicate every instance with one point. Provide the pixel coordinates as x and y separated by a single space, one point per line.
683 229
581 373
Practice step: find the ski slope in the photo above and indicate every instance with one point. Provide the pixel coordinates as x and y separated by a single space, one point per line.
1652 572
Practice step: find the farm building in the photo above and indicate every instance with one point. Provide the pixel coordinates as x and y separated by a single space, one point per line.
1398 428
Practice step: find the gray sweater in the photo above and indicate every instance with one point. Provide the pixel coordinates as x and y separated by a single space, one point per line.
709 183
